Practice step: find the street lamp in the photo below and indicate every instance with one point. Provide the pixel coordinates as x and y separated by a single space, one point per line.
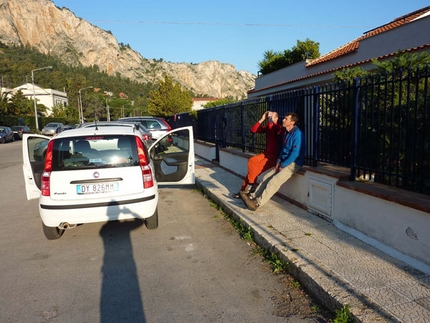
107 108
81 110
34 93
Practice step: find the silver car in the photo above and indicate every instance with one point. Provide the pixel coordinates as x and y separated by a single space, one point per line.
51 128
157 126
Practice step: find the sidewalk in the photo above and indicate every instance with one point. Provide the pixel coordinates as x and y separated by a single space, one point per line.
335 267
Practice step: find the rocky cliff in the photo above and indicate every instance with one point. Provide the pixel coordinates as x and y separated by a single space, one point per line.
57 31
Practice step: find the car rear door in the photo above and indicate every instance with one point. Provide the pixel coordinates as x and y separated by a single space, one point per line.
33 162
173 157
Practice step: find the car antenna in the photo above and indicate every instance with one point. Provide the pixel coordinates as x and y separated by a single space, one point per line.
95 118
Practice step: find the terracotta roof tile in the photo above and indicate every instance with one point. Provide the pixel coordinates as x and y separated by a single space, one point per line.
337 68
353 45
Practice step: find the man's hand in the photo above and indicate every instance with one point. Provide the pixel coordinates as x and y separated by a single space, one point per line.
264 116
278 168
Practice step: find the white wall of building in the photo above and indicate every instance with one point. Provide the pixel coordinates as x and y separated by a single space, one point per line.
412 35
47 97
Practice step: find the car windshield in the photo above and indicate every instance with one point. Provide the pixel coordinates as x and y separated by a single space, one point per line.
94 152
2 130
51 125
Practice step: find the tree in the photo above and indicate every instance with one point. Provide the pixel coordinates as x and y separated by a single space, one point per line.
169 99
23 106
274 61
4 103
219 102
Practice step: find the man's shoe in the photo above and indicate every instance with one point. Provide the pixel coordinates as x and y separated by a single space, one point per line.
236 195
251 204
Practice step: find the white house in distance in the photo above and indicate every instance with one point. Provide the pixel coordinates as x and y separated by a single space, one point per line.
47 97
198 103
407 33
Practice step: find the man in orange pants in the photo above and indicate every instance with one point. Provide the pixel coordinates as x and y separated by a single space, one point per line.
267 159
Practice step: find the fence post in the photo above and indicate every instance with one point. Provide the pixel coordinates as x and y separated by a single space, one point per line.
355 118
315 121
242 121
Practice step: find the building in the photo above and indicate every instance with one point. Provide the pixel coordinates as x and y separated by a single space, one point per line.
198 103
47 97
407 33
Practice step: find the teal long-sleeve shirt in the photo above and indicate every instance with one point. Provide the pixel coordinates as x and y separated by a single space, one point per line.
293 148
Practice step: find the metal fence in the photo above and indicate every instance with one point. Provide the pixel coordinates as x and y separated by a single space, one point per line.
378 127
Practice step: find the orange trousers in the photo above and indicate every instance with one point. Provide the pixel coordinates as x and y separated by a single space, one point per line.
257 165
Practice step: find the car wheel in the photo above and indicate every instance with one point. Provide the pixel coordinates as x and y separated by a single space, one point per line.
52 233
152 222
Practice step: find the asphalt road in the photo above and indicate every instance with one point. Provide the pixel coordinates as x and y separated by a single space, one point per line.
193 268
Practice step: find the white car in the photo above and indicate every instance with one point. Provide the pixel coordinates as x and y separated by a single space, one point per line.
103 174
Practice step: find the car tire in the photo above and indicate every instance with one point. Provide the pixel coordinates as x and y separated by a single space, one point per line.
152 222
52 233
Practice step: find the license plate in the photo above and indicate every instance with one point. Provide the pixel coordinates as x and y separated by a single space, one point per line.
97 188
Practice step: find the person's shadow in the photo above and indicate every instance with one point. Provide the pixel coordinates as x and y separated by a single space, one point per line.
120 300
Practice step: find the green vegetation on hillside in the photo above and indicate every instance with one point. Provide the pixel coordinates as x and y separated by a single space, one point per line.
16 63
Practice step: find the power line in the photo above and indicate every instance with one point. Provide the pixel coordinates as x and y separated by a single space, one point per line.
144 22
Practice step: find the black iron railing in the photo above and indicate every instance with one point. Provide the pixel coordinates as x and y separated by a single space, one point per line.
378 127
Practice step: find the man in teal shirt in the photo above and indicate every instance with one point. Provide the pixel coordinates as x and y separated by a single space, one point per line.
291 159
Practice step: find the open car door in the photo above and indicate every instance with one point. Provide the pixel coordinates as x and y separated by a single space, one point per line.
173 157
33 159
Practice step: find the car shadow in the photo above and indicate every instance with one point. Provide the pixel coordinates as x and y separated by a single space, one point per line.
121 299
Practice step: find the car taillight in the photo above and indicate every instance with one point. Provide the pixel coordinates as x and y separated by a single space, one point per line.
46 176
146 137
167 124
148 180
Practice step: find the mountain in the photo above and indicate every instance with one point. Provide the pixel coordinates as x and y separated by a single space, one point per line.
42 25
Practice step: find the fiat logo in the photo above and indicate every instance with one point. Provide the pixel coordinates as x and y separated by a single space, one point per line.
96 175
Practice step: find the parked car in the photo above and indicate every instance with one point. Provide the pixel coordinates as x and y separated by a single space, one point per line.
64 127
6 134
106 173
146 134
158 126
18 131
51 128
39 150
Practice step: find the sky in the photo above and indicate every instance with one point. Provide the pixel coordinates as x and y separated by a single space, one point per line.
236 32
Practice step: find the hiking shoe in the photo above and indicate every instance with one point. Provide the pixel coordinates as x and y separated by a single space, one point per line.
251 204
236 195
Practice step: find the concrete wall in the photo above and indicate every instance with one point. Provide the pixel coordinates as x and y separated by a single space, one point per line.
396 229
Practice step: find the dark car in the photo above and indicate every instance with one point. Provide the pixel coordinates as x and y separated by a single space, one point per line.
65 127
6 134
18 131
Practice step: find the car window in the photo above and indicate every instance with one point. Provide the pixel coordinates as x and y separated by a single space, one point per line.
150 124
94 152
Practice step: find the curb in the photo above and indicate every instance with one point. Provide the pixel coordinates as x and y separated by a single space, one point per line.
315 277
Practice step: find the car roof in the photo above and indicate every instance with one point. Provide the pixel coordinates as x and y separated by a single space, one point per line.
93 131
117 123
